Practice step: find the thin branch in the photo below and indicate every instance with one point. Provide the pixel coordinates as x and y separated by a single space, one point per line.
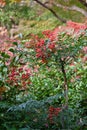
73 8
65 82
52 11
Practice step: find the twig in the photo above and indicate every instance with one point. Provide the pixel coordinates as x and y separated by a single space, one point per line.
72 8
52 11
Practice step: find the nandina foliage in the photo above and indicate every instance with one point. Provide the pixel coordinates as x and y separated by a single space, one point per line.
48 45
59 43
19 63
61 47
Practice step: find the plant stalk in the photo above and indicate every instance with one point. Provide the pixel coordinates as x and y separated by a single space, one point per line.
65 82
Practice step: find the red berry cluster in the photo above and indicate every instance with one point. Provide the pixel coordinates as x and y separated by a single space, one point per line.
13 76
76 26
19 77
43 49
51 35
40 49
53 112
46 46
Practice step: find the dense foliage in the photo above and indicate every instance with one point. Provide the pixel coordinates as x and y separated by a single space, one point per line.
43 66
43 80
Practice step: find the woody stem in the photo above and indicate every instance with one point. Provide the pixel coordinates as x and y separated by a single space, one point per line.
65 82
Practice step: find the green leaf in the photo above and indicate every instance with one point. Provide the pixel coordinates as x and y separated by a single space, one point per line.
16 58
5 69
1 83
15 43
11 49
3 54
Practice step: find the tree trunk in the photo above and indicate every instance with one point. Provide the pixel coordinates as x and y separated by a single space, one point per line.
52 11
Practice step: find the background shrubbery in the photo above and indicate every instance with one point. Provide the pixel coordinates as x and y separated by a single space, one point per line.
42 77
